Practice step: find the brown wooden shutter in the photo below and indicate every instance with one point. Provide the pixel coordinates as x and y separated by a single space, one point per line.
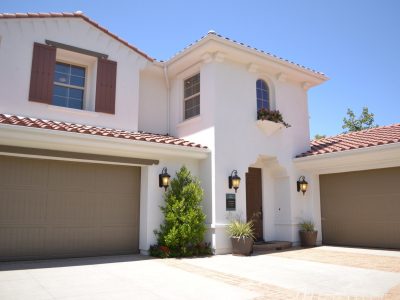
106 86
42 73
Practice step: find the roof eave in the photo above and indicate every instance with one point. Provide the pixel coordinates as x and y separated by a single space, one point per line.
212 37
14 135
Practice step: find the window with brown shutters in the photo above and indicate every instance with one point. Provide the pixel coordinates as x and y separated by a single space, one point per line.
42 73
106 86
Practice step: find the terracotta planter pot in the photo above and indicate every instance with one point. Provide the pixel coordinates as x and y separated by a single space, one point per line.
242 246
308 238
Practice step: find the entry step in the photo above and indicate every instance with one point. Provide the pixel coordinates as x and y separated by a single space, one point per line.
271 245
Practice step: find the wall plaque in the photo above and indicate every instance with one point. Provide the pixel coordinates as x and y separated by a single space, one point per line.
230 202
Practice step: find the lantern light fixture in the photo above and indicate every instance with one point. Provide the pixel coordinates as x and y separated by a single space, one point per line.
302 184
163 179
234 180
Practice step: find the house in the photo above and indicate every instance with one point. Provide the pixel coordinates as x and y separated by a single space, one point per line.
88 122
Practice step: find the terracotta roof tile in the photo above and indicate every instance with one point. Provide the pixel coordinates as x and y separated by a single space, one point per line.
74 15
355 140
93 130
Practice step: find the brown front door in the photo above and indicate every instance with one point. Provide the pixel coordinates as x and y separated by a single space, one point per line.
254 201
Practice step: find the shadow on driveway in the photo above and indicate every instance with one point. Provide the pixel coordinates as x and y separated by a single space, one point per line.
70 262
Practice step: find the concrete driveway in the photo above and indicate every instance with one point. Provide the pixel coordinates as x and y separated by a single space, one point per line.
317 273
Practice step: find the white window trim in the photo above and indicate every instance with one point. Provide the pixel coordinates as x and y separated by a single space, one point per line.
190 97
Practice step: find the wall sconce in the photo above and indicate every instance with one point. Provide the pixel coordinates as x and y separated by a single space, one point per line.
302 184
234 180
163 179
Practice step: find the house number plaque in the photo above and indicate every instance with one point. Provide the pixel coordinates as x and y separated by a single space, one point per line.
230 202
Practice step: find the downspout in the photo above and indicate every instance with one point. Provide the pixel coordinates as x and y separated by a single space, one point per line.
168 95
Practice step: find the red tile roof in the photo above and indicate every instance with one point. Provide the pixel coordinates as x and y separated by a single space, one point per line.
74 15
93 130
355 140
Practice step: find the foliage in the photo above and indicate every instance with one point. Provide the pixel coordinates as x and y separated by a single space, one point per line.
319 136
271 115
183 229
364 121
240 229
201 249
307 226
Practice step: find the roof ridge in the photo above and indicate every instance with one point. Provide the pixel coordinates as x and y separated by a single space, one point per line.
77 14
214 33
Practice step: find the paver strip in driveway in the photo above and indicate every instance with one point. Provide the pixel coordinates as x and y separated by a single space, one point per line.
345 258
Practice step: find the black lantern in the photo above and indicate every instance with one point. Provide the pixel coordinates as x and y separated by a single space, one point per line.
163 179
302 184
234 180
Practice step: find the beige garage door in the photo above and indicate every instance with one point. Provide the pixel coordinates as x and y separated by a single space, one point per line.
53 208
361 208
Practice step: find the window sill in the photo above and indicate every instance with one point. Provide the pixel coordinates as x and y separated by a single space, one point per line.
79 112
269 127
192 120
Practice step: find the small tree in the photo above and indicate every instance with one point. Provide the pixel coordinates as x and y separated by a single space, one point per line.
184 225
364 121
319 136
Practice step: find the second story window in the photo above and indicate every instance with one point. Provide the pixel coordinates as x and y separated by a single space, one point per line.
262 95
69 85
191 97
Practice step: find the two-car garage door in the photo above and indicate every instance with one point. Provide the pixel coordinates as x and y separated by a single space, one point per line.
52 208
361 208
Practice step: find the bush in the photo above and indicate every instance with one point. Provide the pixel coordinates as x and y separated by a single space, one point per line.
183 229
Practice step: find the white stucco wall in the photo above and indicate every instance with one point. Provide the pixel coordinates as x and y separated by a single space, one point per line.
227 125
17 39
153 102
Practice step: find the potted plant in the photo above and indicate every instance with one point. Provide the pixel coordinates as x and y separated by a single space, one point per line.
271 115
308 234
242 236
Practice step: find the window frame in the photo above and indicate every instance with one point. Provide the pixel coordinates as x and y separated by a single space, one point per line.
84 88
268 100
191 96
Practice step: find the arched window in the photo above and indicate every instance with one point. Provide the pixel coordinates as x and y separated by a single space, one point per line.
262 94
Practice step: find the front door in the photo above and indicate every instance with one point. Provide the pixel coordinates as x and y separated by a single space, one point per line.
254 201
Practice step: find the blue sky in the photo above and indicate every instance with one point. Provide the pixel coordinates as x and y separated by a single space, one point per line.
356 43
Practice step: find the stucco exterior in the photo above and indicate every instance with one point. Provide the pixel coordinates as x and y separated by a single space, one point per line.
149 97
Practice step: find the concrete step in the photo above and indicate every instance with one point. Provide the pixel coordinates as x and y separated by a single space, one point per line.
271 245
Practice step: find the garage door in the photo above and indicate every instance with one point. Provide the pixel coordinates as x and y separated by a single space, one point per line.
361 208
52 208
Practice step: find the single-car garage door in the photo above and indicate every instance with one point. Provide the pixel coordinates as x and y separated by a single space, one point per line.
52 208
361 208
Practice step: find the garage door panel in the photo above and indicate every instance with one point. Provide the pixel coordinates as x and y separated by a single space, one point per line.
119 178
66 209
71 207
361 208
25 203
121 239
127 213
74 176
22 241
29 174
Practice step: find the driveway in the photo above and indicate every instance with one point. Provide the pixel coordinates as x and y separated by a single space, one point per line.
317 273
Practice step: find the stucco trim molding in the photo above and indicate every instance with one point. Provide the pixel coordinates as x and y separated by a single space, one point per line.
83 143
376 157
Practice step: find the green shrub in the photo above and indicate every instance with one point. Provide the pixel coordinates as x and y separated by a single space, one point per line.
183 229
239 229
307 226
